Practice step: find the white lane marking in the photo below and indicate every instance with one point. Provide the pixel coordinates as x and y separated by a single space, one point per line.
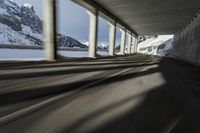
123 71
101 80
25 111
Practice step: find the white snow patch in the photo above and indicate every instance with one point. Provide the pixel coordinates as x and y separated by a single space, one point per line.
102 53
74 53
19 54
27 54
156 46
10 3
9 36
27 30
86 43
28 5
4 12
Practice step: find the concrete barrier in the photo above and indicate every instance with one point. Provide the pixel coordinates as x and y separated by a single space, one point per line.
186 43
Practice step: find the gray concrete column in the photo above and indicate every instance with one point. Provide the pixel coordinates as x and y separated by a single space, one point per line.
123 42
134 45
93 30
49 29
129 44
112 37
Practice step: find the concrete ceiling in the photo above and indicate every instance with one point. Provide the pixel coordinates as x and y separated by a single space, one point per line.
153 17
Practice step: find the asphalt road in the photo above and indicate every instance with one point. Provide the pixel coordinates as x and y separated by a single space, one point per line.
133 94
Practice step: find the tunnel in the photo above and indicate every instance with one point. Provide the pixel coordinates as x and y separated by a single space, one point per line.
126 93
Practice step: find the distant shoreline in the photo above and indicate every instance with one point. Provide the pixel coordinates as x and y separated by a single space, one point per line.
36 47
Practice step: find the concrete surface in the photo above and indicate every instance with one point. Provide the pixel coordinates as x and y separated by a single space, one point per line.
145 94
186 45
150 17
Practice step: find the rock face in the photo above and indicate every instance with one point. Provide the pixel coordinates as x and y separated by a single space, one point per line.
9 15
21 25
10 21
65 41
30 18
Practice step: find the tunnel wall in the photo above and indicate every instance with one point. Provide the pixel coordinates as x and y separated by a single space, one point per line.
186 45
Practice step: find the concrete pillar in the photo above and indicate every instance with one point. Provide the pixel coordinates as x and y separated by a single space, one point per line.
112 37
93 30
134 45
129 44
123 42
49 29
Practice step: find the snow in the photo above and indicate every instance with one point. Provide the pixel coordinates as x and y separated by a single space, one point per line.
7 35
99 44
86 43
156 46
4 12
150 46
28 31
102 44
154 42
102 53
11 3
28 5
19 54
11 6
27 54
166 49
73 53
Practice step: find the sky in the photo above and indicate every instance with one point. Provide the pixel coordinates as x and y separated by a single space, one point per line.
72 20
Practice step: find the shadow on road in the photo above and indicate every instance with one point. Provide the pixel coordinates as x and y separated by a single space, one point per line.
171 108
28 94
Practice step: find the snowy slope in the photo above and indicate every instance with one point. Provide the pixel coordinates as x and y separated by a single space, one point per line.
100 46
156 46
9 36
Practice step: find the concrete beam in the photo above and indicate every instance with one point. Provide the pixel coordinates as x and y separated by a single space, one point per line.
123 42
49 29
91 5
129 43
93 30
154 18
112 37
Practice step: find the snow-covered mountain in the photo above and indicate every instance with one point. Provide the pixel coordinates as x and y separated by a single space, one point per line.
160 45
100 45
21 25
30 18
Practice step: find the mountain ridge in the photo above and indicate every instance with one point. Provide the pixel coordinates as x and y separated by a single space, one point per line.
22 26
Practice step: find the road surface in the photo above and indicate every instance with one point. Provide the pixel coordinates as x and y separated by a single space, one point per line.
132 94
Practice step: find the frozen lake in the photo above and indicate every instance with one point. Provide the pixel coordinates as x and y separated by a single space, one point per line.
27 54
